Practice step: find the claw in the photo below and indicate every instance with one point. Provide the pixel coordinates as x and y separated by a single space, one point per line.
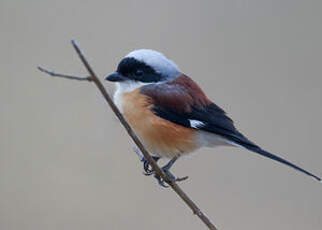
148 171
147 167
171 176
160 181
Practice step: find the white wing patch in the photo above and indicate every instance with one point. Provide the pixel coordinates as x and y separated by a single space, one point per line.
196 124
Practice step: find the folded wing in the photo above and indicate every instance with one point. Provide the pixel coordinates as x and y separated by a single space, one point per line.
182 101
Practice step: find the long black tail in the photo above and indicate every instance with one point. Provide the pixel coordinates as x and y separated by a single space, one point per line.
256 149
219 123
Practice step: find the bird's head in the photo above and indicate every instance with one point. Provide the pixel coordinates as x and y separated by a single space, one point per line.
144 66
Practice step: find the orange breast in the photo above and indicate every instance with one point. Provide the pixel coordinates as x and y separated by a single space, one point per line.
161 137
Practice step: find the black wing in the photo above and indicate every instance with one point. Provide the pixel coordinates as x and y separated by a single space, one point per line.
182 101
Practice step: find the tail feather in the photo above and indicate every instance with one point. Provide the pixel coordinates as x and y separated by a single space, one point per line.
256 149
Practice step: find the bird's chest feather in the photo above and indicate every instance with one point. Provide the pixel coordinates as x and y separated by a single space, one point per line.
160 136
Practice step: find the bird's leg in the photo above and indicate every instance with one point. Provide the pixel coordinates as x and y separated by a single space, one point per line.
146 166
148 171
166 170
167 167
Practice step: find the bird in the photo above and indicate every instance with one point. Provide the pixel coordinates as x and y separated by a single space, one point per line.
171 114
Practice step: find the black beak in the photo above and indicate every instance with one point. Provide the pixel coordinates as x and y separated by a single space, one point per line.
115 77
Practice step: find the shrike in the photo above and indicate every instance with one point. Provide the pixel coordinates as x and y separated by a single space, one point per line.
171 114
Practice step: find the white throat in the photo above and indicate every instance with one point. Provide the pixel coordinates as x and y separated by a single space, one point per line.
128 86
125 87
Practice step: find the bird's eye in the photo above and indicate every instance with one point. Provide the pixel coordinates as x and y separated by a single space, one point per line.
138 73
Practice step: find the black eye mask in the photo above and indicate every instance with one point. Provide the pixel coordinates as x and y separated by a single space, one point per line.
133 69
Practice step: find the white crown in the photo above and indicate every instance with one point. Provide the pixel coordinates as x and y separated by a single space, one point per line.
157 61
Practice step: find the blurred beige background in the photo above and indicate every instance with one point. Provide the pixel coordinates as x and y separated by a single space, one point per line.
65 161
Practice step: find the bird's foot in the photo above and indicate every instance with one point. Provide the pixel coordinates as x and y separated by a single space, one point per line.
148 171
172 178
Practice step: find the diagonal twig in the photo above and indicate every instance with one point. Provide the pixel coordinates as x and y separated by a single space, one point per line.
93 78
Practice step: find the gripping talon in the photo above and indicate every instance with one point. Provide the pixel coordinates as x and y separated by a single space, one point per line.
160 181
181 178
148 171
147 167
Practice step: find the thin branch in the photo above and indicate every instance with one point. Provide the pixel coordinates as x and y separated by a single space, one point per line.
72 77
93 77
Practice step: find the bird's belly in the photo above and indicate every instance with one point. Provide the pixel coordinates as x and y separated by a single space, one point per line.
160 137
